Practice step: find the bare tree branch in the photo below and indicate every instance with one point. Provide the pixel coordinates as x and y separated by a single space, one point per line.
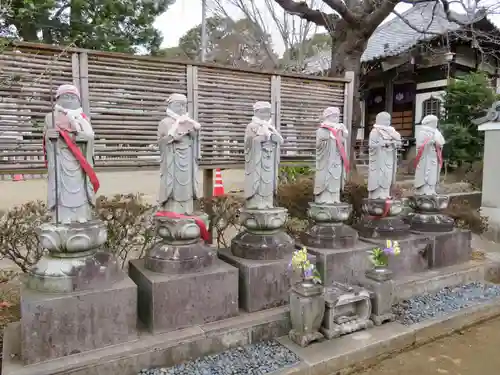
341 8
302 10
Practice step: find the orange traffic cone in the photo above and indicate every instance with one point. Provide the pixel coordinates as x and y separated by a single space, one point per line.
218 185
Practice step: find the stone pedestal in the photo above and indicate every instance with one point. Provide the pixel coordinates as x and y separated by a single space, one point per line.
171 301
57 325
181 281
262 253
428 215
76 298
381 219
379 282
328 230
307 308
348 309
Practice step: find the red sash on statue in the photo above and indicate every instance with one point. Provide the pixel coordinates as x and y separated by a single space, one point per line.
205 235
439 152
340 146
77 153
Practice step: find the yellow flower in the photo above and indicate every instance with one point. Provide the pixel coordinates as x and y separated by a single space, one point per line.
396 248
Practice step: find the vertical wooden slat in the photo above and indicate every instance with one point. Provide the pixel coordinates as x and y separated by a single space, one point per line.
75 64
125 97
302 102
276 100
84 82
348 105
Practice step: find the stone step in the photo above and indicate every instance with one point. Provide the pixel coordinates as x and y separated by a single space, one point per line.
436 279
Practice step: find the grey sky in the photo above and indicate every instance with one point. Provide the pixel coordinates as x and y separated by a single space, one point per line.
185 14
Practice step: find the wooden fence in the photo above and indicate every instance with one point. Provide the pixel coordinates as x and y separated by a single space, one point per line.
125 97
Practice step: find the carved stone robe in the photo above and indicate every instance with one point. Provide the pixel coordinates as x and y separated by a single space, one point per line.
428 169
330 170
262 157
75 195
179 177
383 143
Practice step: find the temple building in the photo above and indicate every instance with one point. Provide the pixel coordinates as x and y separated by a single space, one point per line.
409 59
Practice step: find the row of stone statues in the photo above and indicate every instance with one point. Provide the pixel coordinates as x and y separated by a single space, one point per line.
72 197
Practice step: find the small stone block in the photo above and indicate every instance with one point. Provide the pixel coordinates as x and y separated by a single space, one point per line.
382 295
378 320
451 248
58 325
304 339
342 265
168 302
263 284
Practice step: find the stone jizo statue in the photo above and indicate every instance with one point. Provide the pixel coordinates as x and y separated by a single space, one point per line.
383 144
178 139
262 156
429 160
69 148
332 163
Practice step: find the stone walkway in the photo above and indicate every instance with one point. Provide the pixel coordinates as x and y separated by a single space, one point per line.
472 352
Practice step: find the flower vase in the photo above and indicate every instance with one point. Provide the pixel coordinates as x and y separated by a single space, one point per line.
307 308
379 273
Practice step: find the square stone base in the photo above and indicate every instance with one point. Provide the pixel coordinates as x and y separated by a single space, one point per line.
168 302
451 248
263 284
58 325
415 256
342 265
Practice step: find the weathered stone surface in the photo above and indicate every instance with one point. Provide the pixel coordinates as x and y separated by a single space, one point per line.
382 298
307 308
416 254
384 228
263 284
348 309
342 265
427 216
160 350
172 301
89 270
330 236
58 325
262 246
451 248
172 259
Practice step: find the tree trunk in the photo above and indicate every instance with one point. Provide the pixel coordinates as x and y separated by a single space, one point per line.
347 50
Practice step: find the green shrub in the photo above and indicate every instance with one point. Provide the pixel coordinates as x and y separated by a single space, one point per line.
465 99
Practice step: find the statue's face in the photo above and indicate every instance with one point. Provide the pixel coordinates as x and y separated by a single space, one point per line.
333 118
68 101
178 106
263 113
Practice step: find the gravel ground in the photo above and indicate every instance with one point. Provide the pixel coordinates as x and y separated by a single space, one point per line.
257 359
447 300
